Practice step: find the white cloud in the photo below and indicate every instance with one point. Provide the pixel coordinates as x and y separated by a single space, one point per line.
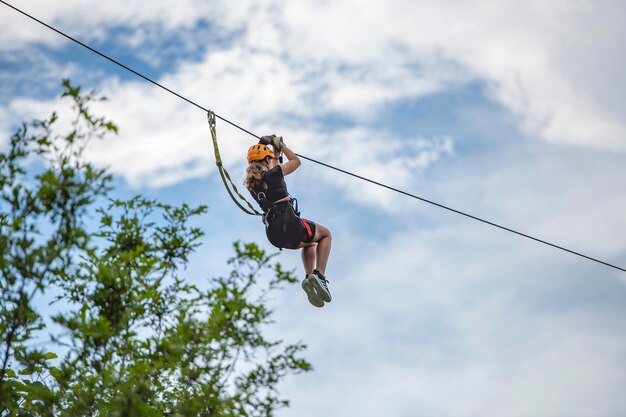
447 323
439 315
575 377
92 20
532 55
164 140
293 63
378 156
308 59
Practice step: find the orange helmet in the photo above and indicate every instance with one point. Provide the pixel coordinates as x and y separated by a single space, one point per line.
259 152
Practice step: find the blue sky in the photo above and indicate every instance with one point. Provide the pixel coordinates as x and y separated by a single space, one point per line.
511 112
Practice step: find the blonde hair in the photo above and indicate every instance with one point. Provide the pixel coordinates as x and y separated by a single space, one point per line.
254 174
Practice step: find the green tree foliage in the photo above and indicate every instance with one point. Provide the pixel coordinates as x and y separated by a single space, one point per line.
133 338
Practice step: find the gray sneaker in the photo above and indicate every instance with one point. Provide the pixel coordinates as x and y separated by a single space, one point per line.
309 288
320 284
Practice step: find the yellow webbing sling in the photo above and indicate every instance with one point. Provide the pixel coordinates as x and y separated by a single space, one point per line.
224 174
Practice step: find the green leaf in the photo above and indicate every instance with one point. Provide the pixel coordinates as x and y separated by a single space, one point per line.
69 90
111 127
55 372
50 355
71 137
19 386
106 220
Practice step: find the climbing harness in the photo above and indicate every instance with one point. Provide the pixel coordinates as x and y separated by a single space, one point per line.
224 174
283 226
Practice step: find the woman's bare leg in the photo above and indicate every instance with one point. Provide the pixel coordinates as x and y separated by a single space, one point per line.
308 257
322 252
315 254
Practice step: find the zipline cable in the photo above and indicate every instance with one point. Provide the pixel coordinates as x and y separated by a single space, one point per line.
127 68
462 213
310 159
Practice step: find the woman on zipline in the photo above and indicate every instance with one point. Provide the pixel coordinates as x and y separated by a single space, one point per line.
265 179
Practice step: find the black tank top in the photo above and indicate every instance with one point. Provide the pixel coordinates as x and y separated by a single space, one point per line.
276 188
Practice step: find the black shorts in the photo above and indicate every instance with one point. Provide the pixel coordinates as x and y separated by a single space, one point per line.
285 229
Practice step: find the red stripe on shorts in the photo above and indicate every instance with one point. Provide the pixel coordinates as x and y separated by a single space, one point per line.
308 228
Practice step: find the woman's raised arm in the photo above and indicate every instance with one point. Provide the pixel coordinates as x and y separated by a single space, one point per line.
293 162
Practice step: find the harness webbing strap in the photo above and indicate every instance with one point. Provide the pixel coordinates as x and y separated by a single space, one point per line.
224 174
